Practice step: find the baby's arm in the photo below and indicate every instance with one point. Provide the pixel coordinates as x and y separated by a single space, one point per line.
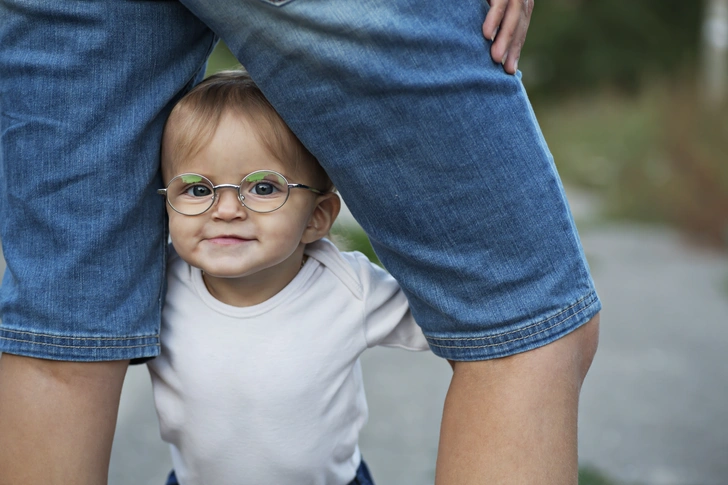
388 320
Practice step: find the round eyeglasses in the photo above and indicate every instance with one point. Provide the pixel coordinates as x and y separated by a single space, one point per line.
192 194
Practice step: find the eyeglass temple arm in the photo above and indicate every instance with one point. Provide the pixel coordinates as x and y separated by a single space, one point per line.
301 186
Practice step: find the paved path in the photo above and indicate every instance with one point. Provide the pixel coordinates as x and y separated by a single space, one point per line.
654 408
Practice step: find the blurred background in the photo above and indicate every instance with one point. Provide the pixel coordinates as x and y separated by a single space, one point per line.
631 96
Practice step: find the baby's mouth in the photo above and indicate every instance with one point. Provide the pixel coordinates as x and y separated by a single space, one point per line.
228 239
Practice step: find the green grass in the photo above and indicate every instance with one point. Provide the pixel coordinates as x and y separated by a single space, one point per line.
599 140
593 137
656 156
353 238
221 59
592 476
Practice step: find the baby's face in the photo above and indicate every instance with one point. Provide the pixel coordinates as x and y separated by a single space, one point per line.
230 243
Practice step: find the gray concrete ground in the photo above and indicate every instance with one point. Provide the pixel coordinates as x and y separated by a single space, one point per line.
653 408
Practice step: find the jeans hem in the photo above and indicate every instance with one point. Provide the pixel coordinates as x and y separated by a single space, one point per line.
77 349
520 340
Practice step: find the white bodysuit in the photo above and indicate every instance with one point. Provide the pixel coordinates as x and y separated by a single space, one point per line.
273 393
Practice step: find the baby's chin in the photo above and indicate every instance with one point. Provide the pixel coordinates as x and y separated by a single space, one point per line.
231 271
227 274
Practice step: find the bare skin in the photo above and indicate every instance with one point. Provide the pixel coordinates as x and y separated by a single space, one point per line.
57 420
506 25
513 421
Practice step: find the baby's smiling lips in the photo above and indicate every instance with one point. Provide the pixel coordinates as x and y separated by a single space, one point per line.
228 239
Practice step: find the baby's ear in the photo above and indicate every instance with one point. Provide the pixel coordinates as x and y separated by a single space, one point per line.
322 218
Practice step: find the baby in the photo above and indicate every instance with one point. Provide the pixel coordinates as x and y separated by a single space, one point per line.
259 380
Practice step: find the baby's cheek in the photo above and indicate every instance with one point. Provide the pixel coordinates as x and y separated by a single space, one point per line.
184 247
175 228
182 232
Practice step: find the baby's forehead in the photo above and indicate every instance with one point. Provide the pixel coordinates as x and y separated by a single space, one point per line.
186 135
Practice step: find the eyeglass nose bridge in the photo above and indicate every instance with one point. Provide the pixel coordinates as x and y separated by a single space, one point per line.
216 196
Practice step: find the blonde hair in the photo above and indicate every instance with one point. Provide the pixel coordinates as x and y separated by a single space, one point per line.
194 119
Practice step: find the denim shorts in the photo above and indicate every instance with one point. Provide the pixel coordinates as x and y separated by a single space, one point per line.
363 477
434 147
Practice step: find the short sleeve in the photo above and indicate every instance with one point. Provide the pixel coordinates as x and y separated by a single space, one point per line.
387 318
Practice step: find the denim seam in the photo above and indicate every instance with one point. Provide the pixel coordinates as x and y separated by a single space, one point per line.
76 338
540 322
516 339
77 347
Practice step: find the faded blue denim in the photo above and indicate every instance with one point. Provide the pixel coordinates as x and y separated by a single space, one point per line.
435 149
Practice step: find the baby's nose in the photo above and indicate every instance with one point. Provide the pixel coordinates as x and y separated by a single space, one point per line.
228 203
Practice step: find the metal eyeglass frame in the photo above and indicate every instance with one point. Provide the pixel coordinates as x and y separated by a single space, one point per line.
237 187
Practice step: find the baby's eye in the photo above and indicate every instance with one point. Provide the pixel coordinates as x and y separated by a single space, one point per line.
263 188
198 191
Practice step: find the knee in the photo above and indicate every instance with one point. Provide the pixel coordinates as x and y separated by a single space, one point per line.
588 344
570 356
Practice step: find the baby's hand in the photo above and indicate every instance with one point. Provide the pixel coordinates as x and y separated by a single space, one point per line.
506 25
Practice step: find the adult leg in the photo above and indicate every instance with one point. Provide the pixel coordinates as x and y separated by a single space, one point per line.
438 154
57 420
84 93
513 420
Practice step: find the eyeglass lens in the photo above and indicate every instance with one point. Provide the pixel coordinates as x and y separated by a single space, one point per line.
261 191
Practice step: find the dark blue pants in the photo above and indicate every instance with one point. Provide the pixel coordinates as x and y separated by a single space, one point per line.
363 477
